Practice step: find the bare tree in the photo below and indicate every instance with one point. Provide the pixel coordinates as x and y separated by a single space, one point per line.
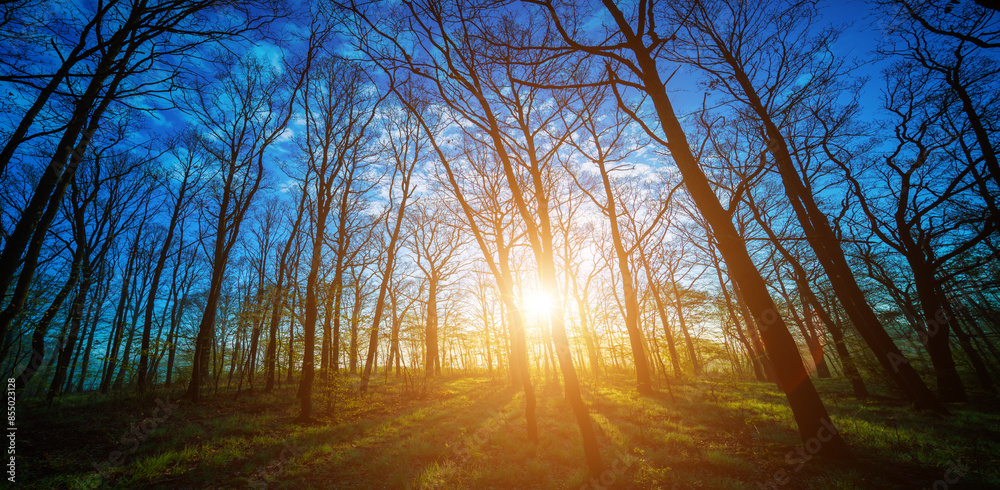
927 217
190 182
628 49
435 244
121 167
974 24
125 42
607 142
245 112
481 81
116 200
406 149
722 38
338 112
279 293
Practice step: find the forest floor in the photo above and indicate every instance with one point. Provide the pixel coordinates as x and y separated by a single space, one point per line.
469 432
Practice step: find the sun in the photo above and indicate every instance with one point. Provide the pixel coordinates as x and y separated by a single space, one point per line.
538 303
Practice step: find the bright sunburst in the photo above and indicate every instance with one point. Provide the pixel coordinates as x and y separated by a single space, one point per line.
538 303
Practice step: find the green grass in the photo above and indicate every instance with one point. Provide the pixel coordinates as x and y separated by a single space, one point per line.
469 432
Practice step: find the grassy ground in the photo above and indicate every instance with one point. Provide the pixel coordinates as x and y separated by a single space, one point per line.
468 432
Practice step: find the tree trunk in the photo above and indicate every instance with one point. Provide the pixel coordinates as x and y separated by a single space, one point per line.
309 322
161 261
42 327
756 361
935 333
643 381
825 244
807 408
695 365
432 366
76 313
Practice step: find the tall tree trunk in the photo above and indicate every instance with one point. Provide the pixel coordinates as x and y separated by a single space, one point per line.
519 345
754 330
756 361
324 363
807 408
846 360
206 329
88 319
309 320
161 261
588 338
390 260
104 289
42 327
278 301
978 364
817 348
824 242
675 358
76 317
812 343
35 219
432 365
129 275
353 326
291 345
678 302
643 381
935 333
30 261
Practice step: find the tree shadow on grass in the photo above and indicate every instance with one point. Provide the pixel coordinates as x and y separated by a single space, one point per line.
380 439
740 434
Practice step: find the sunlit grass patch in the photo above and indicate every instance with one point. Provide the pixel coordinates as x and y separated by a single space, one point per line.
165 464
676 440
725 462
436 475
